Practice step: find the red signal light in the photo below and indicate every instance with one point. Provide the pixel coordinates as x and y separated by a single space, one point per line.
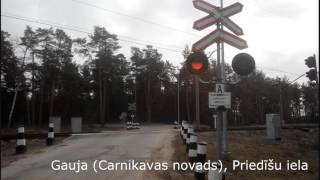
196 65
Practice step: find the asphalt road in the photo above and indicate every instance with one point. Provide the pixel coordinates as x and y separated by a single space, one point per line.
139 145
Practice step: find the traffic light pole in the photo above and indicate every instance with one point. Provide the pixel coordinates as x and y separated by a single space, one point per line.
317 84
196 78
224 114
315 64
219 113
178 94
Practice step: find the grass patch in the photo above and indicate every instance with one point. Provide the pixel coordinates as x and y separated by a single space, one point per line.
254 146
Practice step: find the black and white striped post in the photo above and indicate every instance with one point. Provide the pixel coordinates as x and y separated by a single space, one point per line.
21 141
185 129
182 129
192 153
176 125
135 125
200 174
129 125
190 130
50 139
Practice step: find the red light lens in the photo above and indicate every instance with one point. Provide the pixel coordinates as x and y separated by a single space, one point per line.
196 65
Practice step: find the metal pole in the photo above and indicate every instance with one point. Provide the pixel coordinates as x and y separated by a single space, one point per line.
135 96
317 86
281 105
219 114
196 78
178 100
224 115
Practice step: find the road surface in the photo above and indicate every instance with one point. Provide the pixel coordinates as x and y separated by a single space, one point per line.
122 146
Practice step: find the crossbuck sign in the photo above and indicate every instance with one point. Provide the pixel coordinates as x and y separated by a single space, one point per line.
218 15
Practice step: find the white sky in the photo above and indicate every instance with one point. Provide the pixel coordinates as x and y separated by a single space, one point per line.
280 34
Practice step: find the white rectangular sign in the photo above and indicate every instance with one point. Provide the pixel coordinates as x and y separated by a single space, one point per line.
219 99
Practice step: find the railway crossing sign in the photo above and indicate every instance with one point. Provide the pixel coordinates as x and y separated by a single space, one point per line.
219 35
218 15
215 14
219 98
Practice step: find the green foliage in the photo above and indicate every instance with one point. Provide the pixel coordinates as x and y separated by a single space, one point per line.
312 74
310 62
10 71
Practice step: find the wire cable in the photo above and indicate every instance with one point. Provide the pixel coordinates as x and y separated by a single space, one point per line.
83 31
133 17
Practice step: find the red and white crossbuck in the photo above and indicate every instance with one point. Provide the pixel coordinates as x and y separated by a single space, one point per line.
217 15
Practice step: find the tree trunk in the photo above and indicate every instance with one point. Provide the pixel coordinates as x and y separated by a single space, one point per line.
101 99
33 94
187 104
148 101
51 100
12 106
26 92
41 102
107 101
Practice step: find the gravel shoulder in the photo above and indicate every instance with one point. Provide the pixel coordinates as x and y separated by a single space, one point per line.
34 146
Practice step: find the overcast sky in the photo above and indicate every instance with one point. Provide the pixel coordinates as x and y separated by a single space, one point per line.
280 33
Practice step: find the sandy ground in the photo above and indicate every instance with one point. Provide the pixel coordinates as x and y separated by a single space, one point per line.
148 144
34 146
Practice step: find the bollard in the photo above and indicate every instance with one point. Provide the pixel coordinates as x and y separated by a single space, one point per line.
214 174
182 129
176 124
129 125
135 125
190 131
200 174
21 141
50 138
192 153
185 133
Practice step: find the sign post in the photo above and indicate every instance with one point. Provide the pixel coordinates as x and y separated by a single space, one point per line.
220 17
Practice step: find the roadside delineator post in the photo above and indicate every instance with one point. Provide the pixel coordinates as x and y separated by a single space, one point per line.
135 125
50 139
192 153
185 129
21 141
129 125
200 174
189 131
176 125
182 129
